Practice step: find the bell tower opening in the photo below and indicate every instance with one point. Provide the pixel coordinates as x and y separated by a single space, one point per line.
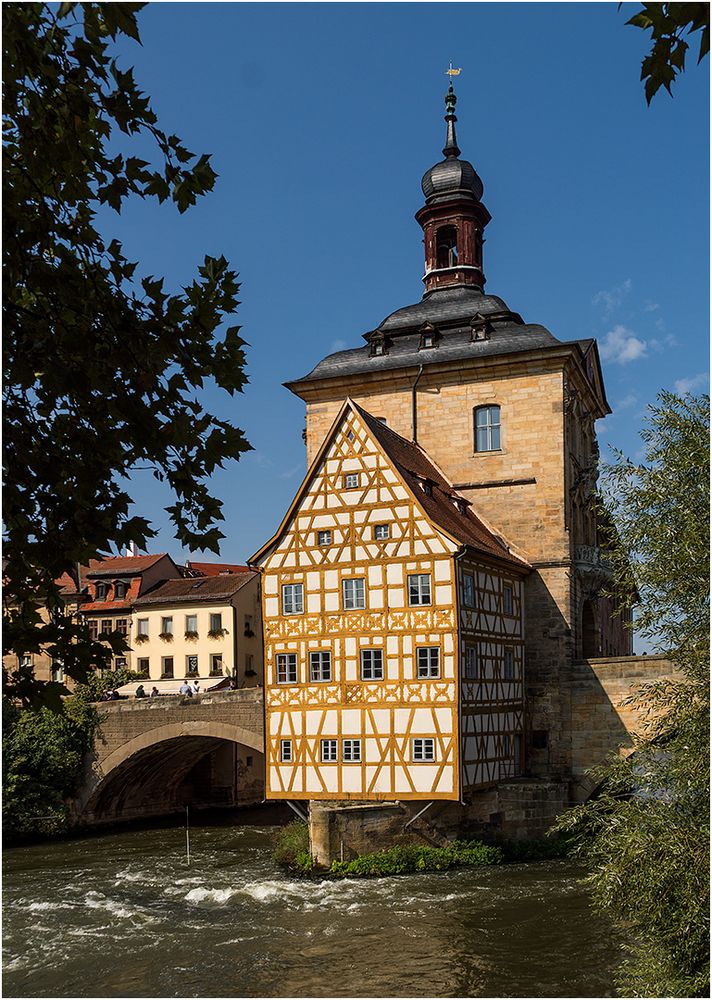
446 246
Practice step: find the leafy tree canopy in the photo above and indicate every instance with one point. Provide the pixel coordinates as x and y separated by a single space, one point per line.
668 23
646 836
102 370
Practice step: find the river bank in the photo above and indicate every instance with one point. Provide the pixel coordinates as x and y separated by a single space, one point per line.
124 914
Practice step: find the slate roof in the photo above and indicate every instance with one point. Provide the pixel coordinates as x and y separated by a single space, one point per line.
415 466
196 590
450 310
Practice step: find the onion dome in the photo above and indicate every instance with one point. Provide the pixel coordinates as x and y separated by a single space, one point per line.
451 178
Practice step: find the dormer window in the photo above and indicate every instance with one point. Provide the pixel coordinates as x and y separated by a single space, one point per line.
102 589
379 346
460 505
480 327
446 247
120 589
429 336
427 487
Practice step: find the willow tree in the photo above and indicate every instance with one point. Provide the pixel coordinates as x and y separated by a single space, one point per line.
102 367
646 836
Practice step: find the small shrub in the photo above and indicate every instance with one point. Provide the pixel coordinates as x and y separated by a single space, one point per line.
414 858
291 846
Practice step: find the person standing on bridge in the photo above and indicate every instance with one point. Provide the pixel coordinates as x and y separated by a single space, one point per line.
196 686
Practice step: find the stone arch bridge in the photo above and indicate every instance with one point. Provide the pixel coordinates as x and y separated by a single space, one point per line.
153 756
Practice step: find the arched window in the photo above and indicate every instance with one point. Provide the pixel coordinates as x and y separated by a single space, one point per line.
446 247
487 428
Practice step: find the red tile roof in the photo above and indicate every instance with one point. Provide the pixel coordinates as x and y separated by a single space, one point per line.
216 569
121 565
194 590
415 467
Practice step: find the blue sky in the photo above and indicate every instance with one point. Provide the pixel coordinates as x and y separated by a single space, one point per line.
321 119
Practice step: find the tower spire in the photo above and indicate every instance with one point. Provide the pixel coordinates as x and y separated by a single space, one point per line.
451 147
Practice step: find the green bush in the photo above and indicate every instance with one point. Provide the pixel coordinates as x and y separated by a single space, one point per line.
555 846
413 858
291 846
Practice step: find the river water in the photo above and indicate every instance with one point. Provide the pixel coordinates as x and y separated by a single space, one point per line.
124 915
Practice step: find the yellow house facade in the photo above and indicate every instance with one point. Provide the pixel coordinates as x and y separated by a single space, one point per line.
393 630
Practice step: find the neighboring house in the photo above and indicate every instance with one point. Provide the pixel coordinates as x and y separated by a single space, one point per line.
200 627
394 647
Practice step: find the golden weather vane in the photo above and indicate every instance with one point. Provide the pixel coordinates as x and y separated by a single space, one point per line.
452 72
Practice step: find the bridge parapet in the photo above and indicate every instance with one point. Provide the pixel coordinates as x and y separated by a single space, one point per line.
601 719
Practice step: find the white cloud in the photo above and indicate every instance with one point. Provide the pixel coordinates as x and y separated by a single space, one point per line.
290 473
337 345
624 404
651 306
610 299
684 385
620 345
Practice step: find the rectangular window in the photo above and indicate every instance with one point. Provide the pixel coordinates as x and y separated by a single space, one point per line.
381 531
286 668
508 600
293 599
506 746
191 623
354 594
468 590
249 664
320 666
285 751
323 538
329 751
216 622
509 664
351 481
351 751
419 589
119 663
248 626
191 665
26 662
102 589
371 664
57 671
470 662
487 428
142 626
105 626
122 626
167 626
216 664
428 661
423 749
93 629
142 664
166 666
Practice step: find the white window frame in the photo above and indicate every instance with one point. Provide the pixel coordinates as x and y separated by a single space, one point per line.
105 621
374 656
351 751
286 752
324 537
468 592
350 603
470 663
352 480
285 668
320 666
381 532
508 599
508 664
418 584
491 428
329 751
121 625
427 662
422 750
292 598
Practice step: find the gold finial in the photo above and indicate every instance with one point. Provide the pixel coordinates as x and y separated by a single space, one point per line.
452 72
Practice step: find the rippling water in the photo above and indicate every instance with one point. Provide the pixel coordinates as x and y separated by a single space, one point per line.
123 915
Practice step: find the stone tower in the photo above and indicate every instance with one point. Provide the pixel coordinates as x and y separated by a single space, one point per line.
507 411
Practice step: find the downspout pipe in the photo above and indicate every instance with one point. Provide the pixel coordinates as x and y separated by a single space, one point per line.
415 405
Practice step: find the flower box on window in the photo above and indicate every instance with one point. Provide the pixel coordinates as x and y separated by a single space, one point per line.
217 633
141 637
191 635
166 636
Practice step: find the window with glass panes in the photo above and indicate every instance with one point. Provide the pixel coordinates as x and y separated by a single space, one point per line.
216 663
423 749
191 664
142 664
57 671
320 666
167 626
371 664
508 664
216 622
351 481
191 623
468 588
470 662
381 531
329 751
285 750
106 625
166 666
93 626
428 661
351 751
142 626
292 599
419 589
323 538
354 594
487 428
122 626
508 600
286 668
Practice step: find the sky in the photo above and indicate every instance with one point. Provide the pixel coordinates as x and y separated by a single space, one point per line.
321 119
